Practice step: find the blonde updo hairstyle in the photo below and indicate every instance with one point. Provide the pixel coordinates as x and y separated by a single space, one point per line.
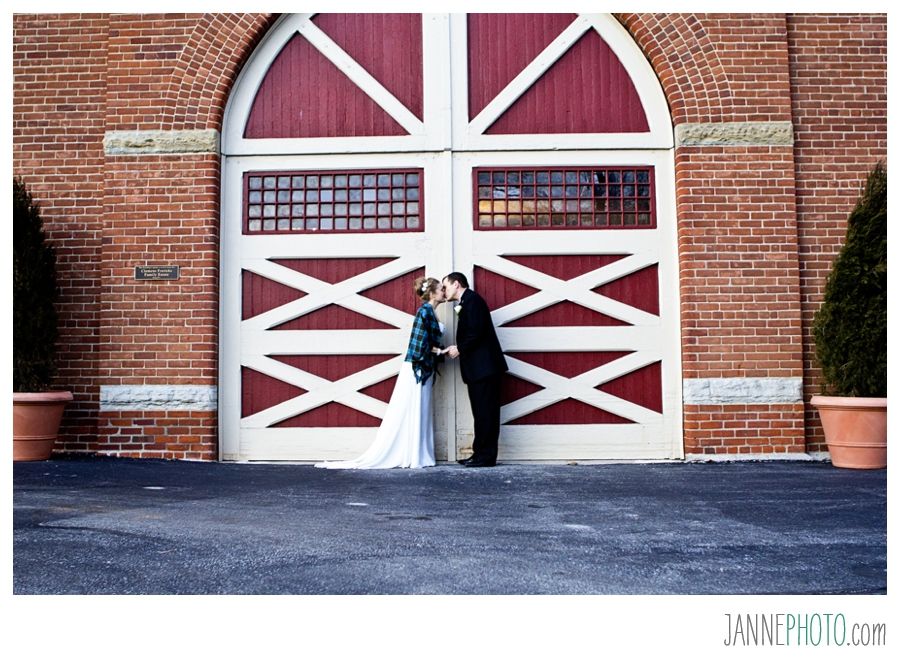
425 287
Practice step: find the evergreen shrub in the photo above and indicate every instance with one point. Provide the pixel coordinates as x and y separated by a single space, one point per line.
35 294
850 328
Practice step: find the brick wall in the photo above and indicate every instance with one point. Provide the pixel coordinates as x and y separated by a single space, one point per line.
758 225
159 210
59 110
740 311
717 67
839 95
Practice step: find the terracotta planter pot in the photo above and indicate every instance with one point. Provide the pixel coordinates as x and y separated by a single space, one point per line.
36 418
855 430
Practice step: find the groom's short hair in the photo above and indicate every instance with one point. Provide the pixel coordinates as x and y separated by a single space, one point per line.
459 278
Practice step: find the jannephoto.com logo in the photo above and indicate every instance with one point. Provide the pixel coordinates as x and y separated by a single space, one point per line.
800 629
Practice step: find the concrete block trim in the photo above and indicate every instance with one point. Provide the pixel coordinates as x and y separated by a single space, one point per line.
161 142
749 133
158 397
703 391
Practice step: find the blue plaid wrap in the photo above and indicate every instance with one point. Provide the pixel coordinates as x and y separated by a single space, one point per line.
426 334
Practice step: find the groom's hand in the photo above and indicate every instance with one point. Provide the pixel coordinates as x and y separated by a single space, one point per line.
453 352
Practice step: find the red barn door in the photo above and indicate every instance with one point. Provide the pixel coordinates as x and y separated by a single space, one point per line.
532 152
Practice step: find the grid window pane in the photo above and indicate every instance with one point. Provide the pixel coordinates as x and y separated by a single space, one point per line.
323 201
567 198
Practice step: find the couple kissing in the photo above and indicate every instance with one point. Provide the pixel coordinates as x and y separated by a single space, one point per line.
406 436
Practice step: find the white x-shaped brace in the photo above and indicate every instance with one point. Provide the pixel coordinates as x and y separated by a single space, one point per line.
579 289
320 390
400 113
321 294
558 388
346 390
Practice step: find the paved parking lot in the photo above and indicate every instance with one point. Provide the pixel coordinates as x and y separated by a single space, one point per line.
120 526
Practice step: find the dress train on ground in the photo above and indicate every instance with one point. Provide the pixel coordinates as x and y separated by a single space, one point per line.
406 436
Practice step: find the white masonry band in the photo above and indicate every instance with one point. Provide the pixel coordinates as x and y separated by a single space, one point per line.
697 391
161 142
700 391
158 397
735 134
775 133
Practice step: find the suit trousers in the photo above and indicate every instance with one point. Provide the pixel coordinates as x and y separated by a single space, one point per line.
484 397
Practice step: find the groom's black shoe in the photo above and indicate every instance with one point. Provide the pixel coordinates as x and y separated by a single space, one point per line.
480 462
464 461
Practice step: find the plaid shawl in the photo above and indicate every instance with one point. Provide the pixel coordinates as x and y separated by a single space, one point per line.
426 333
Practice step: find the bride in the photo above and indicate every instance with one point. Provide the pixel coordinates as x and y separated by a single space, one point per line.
406 435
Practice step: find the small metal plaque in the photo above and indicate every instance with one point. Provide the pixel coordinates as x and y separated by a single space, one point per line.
157 272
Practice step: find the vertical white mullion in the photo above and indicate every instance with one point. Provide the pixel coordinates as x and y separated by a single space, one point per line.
439 261
436 80
459 79
462 262
229 395
669 299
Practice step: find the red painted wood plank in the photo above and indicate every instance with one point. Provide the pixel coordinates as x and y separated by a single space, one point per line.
333 270
259 391
388 46
640 290
513 389
332 367
570 411
398 293
562 266
333 317
381 391
586 91
499 291
501 45
565 313
643 387
569 363
261 294
329 415
304 95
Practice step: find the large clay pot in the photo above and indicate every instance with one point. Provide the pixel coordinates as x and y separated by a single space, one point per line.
855 430
36 419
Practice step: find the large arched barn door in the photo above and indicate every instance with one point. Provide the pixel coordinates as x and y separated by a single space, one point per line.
334 200
347 171
564 214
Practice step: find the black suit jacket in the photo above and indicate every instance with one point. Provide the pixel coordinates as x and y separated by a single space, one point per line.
480 355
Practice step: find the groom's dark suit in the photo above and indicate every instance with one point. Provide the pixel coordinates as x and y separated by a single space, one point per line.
482 365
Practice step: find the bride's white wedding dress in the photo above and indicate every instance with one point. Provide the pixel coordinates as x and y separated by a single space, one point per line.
405 438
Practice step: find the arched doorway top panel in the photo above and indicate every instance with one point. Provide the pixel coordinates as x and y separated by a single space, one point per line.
396 112
612 96
582 83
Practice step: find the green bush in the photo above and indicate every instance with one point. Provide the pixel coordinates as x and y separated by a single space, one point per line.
850 327
34 297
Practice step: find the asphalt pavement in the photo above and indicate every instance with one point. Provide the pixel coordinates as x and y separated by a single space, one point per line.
94 525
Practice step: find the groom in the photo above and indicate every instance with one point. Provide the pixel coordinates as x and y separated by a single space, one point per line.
482 365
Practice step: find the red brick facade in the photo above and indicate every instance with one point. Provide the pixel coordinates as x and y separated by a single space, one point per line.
758 226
